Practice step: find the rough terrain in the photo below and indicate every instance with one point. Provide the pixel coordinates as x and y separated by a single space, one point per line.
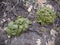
10 9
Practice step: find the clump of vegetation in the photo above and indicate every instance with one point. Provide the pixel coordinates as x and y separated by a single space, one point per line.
45 16
18 26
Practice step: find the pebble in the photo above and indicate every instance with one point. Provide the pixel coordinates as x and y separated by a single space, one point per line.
53 32
38 42
50 6
5 14
9 19
5 28
3 20
30 8
50 42
8 36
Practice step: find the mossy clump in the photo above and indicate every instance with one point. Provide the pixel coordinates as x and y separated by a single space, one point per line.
18 26
46 16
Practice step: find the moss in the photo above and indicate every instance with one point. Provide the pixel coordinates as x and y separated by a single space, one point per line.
45 16
18 26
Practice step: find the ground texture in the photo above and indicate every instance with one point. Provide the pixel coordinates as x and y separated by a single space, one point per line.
10 9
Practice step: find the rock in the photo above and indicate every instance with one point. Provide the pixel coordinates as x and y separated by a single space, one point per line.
9 19
29 38
3 37
30 8
3 20
50 6
9 37
38 42
4 14
53 32
51 42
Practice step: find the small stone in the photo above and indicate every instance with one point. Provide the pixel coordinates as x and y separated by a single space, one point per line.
38 42
50 42
8 36
36 5
53 32
5 14
30 28
4 20
34 22
50 6
27 4
9 19
30 8
5 28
